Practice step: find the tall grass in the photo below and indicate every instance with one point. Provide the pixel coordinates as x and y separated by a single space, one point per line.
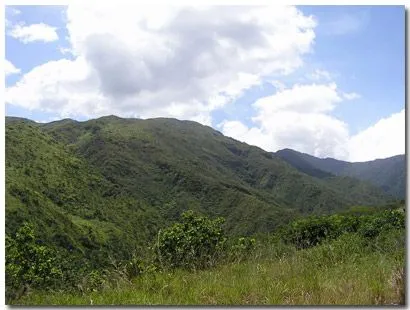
345 271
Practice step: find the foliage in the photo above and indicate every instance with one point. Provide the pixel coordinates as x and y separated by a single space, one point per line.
389 174
310 231
241 248
29 264
344 271
373 225
195 243
100 190
345 268
104 187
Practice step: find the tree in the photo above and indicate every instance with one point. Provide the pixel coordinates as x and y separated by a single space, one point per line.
28 263
195 243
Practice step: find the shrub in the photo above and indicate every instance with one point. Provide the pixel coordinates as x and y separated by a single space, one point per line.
241 248
195 243
308 232
29 264
372 226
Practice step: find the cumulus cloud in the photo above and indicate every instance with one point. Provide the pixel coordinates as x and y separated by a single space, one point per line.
300 118
296 118
300 98
384 139
10 68
180 62
32 33
186 62
60 86
253 136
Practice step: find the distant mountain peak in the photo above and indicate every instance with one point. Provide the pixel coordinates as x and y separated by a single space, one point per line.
387 173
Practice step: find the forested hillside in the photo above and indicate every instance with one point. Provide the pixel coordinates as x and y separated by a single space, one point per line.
388 173
113 176
100 191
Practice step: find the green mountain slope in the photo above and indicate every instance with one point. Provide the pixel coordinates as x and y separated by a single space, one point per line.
182 156
388 173
105 186
71 204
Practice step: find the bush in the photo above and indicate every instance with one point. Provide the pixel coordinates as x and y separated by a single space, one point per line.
193 244
29 264
313 230
308 232
373 225
241 248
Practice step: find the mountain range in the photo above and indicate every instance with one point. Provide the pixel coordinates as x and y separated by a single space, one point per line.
388 173
106 186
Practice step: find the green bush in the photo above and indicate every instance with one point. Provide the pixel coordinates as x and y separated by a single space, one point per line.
241 248
373 225
195 243
310 231
29 264
313 230
391 241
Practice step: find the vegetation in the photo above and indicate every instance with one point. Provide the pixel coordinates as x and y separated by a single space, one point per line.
194 243
351 266
83 200
310 231
388 174
29 264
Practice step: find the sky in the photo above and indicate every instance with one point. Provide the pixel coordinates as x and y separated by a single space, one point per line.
324 80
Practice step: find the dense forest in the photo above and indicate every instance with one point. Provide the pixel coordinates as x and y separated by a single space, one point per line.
121 205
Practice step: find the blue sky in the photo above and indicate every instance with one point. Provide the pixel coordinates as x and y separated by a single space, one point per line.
369 58
358 49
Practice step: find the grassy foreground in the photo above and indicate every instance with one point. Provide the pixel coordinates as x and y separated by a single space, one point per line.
346 271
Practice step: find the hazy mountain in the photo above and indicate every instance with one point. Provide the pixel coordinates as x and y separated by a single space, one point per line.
388 173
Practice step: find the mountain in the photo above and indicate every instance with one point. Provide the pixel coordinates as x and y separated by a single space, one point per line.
388 174
104 187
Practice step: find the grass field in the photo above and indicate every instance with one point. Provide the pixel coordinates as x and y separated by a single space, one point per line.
345 271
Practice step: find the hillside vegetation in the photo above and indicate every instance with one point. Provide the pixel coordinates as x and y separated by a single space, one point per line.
388 174
94 194
341 259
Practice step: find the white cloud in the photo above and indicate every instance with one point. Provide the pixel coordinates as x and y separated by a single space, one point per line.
278 85
296 118
65 50
179 62
351 96
10 68
240 132
347 23
61 86
384 139
50 119
32 33
186 62
300 98
300 118
11 11
10 14
318 75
